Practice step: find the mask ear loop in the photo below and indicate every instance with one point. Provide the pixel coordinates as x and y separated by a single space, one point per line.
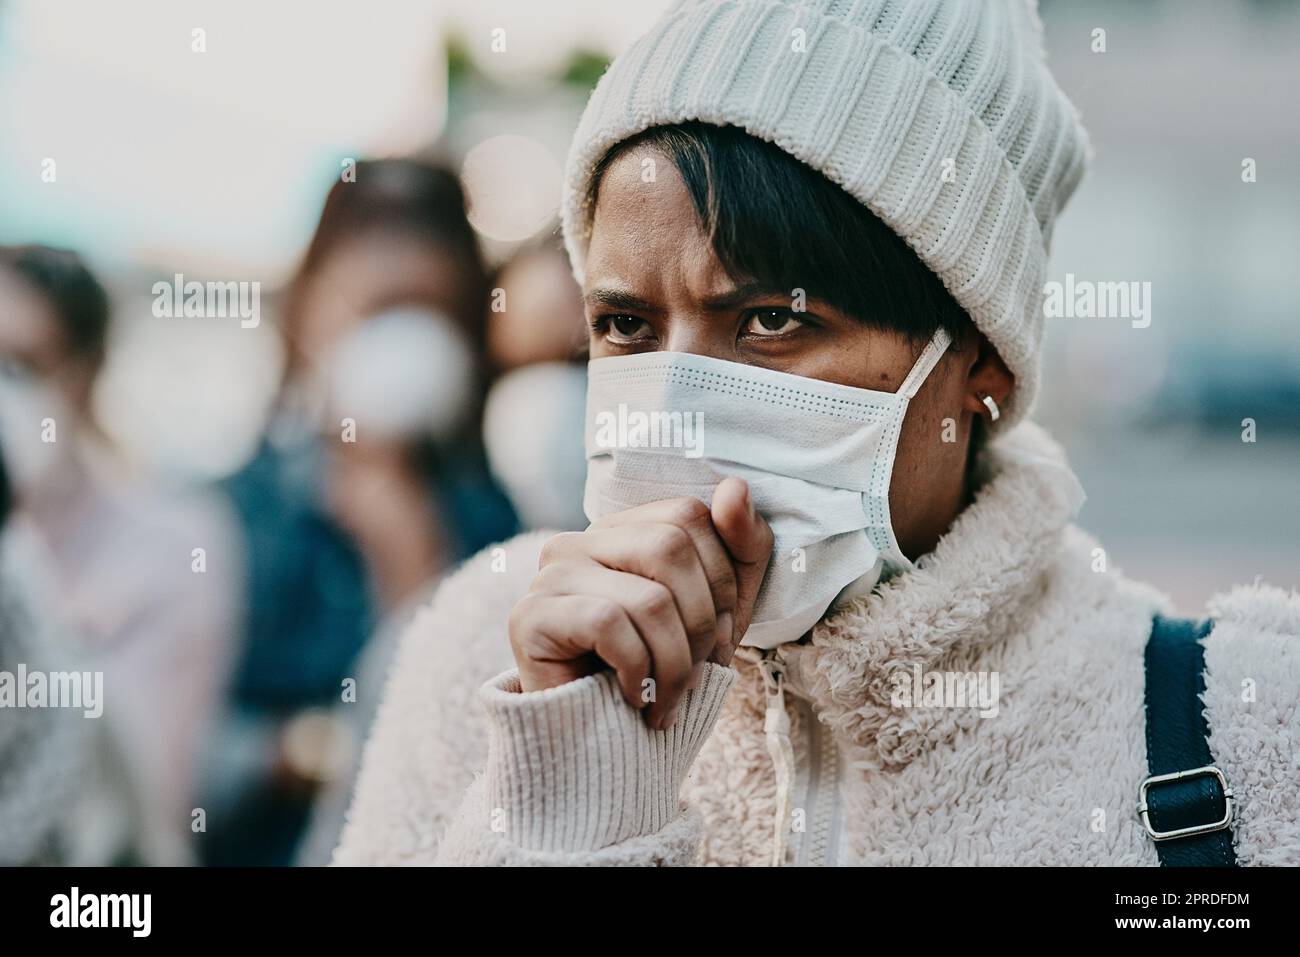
891 553
934 350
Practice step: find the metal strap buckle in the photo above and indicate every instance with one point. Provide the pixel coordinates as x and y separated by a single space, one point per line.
1208 771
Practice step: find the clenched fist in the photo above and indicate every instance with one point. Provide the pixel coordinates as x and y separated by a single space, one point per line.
652 592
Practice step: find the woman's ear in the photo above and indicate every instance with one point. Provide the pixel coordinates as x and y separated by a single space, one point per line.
988 376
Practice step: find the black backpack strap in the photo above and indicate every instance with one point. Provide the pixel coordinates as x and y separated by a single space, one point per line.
1186 804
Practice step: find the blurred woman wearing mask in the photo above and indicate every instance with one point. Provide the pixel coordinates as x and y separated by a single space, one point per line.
117 553
369 483
532 419
832 607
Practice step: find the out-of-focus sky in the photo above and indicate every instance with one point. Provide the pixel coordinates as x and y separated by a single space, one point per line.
215 160
205 160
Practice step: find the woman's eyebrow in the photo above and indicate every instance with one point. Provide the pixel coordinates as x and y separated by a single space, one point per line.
618 299
741 294
728 299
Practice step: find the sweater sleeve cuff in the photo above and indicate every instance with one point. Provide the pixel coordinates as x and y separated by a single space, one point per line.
574 768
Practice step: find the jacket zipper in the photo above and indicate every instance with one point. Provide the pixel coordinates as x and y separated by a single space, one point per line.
820 838
776 729
820 847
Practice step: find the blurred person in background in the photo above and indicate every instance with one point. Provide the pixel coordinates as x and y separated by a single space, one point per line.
44 752
532 420
369 483
123 574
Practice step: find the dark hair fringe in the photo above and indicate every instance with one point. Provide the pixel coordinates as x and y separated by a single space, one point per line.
773 220
77 299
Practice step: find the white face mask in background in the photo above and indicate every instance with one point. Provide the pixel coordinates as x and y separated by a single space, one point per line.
532 433
25 405
818 458
404 374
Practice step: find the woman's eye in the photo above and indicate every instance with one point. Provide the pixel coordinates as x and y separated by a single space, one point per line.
622 328
771 322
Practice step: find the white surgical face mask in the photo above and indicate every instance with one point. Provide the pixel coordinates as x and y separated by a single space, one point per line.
818 458
532 432
407 373
34 428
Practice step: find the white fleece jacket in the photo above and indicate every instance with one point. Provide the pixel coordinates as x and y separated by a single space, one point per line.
463 768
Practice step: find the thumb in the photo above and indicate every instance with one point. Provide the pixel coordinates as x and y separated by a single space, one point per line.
748 538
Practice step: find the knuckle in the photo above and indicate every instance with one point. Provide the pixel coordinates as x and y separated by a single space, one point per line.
639 661
671 542
519 622
701 628
555 548
688 511
726 591
603 616
548 577
655 600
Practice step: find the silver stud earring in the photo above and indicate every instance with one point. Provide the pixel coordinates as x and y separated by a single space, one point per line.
992 407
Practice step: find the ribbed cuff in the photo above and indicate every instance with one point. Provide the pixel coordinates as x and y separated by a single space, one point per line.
574 768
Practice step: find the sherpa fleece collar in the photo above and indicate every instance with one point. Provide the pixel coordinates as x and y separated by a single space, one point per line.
960 599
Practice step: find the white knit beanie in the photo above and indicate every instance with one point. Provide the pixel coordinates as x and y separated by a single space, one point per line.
938 115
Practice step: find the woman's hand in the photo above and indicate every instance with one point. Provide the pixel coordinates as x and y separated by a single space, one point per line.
652 592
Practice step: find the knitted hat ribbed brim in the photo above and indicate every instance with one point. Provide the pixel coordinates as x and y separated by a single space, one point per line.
940 117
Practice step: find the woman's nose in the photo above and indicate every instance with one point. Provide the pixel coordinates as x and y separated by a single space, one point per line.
700 335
